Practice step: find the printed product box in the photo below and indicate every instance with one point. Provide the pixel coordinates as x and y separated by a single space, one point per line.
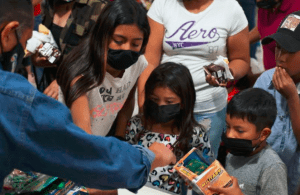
195 170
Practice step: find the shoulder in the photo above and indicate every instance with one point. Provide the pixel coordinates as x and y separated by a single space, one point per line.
269 158
16 86
134 126
135 119
227 5
139 66
135 123
161 8
264 79
268 73
163 3
97 5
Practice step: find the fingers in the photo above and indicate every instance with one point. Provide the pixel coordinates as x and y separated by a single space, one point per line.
211 80
217 189
232 190
275 79
51 93
283 82
163 155
52 90
280 78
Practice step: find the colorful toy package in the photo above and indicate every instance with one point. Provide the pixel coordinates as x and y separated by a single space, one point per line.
196 171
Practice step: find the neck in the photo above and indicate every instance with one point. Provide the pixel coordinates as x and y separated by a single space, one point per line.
115 73
64 7
260 148
165 128
196 6
276 6
296 79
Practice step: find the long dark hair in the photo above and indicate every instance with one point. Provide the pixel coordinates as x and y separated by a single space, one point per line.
88 60
177 78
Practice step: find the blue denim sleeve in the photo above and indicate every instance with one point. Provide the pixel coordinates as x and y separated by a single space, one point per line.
37 133
146 152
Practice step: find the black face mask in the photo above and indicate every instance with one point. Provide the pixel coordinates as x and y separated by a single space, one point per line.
162 114
266 4
239 147
122 59
59 2
12 60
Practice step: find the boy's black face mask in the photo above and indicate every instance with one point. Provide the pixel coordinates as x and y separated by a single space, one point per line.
266 4
162 114
239 147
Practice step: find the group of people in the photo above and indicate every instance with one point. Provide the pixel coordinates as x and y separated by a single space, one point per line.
110 49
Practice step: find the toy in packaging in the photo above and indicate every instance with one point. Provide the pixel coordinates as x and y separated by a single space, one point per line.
219 69
43 42
194 169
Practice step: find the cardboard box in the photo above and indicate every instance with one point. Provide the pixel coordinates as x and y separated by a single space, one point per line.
213 175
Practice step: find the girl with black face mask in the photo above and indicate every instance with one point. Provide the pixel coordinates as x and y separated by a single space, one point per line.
98 78
168 118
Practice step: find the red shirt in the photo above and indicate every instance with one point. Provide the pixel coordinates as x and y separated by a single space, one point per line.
37 9
267 24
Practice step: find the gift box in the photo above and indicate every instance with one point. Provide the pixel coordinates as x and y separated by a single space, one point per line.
197 172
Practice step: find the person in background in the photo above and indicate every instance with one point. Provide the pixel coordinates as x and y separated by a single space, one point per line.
251 160
283 83
168 118
37 132
195 33
35 73
270 14
70 21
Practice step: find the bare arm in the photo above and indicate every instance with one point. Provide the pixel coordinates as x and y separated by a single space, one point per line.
153 55
80 111
238 51
125 113
254 35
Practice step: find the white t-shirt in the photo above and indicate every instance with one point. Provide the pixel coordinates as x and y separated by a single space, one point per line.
195 40
106 100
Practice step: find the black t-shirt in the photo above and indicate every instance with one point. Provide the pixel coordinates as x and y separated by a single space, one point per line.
56 31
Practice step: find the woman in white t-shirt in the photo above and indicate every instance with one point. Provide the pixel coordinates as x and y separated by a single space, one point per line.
194 33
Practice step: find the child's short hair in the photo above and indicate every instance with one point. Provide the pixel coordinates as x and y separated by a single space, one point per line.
256 105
